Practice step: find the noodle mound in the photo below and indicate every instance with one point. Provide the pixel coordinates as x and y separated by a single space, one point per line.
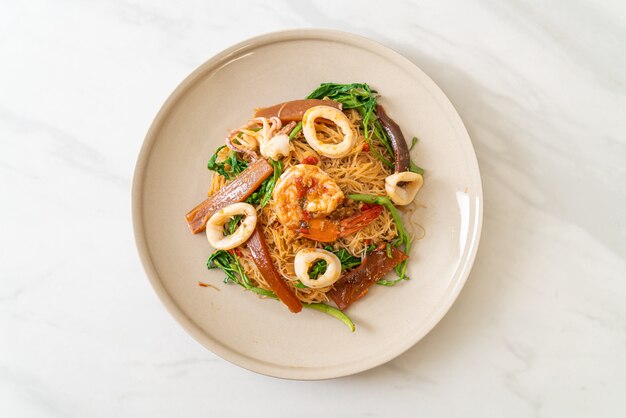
358 172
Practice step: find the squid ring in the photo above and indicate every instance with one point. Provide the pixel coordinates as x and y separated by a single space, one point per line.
215 226
403 195
335 115
305 259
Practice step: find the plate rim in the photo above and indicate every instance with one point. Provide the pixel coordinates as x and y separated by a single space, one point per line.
255 365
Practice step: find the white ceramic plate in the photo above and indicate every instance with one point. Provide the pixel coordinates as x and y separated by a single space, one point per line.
171 178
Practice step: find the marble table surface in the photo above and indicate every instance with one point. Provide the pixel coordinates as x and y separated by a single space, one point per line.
538 331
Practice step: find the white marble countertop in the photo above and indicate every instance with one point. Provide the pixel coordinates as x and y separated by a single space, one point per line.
540 328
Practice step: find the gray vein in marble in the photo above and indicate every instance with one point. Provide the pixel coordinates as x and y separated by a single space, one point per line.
69 149
29 387
18 172
577 38
136 13
606 319
185 362
512 377
28 319
533 401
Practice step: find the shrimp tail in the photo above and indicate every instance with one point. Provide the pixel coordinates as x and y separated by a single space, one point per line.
359 221
326 230
321 230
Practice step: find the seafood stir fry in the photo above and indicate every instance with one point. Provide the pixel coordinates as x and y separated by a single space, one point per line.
304 201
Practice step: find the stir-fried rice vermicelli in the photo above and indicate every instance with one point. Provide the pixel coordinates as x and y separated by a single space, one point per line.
310 200
358 172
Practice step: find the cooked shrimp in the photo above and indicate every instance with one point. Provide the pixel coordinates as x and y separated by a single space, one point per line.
330 230
304 192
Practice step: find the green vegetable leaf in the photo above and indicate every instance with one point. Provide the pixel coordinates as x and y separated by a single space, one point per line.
404 239
230 168
295 131
347 260
263 194
389 283
232 225
317 269
229 264
332 311
413 142
300 285
415 168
